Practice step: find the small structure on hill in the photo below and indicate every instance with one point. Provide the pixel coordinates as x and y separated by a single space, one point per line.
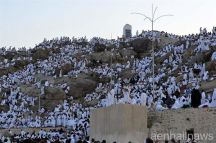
127 31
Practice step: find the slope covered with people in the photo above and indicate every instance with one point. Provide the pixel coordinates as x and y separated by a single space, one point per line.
59 81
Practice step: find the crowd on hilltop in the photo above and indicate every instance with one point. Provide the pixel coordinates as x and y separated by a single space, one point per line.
169 92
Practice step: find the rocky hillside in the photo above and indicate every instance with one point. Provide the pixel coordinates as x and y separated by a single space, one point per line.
80 73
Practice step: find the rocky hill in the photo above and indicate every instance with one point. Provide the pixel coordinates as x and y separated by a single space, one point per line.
68 77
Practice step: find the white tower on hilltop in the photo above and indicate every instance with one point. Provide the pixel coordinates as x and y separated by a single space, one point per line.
127 31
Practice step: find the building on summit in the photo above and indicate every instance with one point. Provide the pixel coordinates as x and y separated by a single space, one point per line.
127 31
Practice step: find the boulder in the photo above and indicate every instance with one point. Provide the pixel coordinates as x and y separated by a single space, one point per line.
2 58
80 87
141 45
90 103
21 64
54 93
127 73
208 85
66 68
211 67
41 54
30 90
104 57
127 53
10 55
99 47
48 104
207 55
4 108
6 71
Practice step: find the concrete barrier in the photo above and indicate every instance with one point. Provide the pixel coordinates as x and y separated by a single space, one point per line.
121 123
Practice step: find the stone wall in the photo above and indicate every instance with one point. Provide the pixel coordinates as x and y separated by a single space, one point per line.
178 122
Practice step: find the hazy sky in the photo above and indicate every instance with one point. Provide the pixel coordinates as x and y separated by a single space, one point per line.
27 22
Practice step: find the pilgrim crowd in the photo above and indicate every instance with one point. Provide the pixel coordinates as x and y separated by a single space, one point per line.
164 91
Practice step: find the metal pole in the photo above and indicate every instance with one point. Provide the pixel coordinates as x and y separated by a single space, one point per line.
153 74
111 64
152 19
39 104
